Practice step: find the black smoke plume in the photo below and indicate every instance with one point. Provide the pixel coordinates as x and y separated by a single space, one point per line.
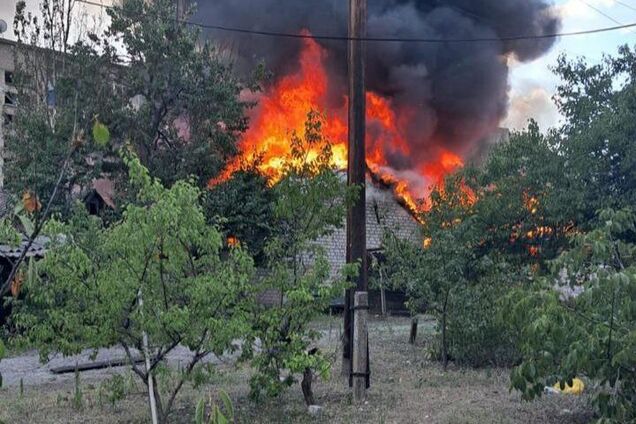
459 90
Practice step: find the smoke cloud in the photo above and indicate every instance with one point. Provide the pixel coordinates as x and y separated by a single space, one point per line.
457 91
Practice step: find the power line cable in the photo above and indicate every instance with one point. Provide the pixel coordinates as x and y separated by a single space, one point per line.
390 39
626 5
600 12
460 10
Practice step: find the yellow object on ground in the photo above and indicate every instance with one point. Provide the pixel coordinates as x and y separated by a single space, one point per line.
575 389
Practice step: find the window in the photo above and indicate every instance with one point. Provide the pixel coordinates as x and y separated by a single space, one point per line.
9 99
8 77
7 118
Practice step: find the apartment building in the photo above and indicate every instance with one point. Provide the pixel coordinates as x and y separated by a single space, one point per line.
7 95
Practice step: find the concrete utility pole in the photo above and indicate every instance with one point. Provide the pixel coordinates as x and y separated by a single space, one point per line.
182 7
356 216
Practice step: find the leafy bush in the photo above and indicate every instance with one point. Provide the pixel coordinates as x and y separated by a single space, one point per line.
592 334
152 281
215 414
310 203
478 332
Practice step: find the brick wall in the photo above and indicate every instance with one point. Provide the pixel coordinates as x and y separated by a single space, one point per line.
384 213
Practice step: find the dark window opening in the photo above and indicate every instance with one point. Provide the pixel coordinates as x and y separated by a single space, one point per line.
8 77
9 100
7 118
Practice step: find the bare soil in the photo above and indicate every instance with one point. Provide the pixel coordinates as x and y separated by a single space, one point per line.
406 388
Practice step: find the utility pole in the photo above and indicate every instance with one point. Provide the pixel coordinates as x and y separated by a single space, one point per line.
356 216
182 7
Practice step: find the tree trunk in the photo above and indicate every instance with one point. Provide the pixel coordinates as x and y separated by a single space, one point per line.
383 301
308 394
444 342
151 380
161 411
413 335
444 348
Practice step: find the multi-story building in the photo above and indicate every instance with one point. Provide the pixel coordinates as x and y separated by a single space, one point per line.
7 94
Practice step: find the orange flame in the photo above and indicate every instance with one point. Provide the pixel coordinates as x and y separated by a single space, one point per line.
282 110
232 241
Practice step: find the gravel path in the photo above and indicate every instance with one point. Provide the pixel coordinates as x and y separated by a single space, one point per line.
27 367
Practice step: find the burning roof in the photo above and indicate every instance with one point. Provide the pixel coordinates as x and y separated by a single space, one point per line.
429 104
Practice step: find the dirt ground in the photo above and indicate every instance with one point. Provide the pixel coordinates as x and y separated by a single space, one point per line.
406 388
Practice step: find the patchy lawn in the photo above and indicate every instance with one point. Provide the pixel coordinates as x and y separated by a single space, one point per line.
406 387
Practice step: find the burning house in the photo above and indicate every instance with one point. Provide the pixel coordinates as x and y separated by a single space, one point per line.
431 106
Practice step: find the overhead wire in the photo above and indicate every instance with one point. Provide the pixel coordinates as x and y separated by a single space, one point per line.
600 12
391 39
626 5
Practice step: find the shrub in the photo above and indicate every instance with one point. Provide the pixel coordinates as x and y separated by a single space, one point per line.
478 333
153 281
592 334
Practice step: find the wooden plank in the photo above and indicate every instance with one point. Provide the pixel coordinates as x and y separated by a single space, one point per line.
95 365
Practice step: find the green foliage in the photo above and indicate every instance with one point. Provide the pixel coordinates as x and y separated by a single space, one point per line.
311 202
216 415
592 334
457 278
599 103
115 389
187 116
244 207
523 202
159 272
433 276
533 192
478 332
101 134
61 88
78 396
171 97
8 233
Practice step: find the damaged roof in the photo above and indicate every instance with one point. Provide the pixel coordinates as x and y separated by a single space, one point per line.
106 190
37 249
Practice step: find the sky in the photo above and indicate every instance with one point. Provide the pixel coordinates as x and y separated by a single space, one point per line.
533 84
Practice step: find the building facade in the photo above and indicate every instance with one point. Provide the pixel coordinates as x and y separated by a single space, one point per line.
384 215
7 95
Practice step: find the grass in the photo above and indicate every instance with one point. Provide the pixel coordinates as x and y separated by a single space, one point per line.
406 387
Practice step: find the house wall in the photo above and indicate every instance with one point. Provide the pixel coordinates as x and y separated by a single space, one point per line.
384 214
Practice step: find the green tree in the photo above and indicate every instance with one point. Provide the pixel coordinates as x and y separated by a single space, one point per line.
155 280
186 114
587 327
61 90
599 104
310 202
244 207
524 205
148 80
431 276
